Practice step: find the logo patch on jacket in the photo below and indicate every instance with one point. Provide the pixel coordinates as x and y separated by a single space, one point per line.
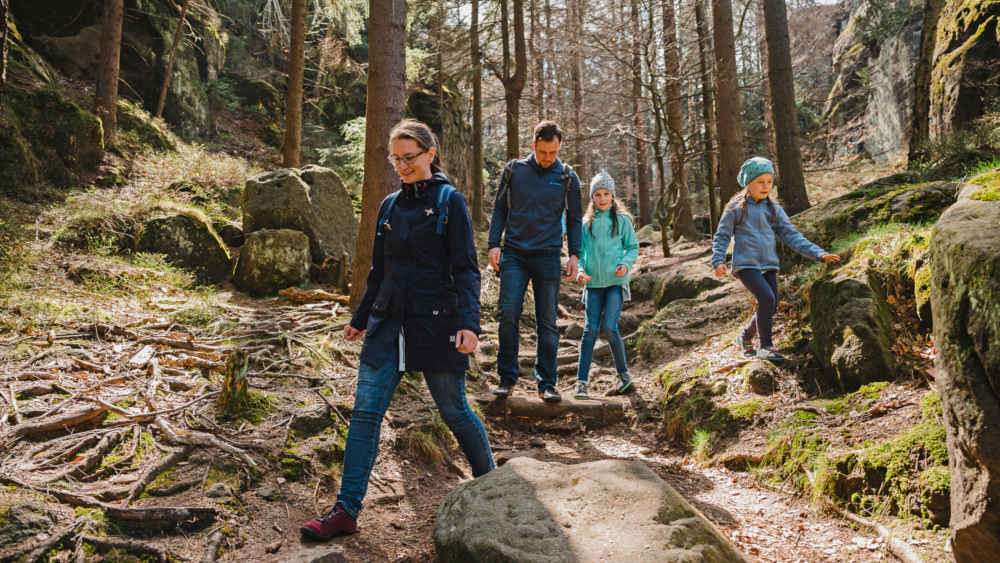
451 339
429 212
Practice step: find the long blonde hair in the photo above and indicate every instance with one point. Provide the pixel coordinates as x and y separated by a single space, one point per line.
617 208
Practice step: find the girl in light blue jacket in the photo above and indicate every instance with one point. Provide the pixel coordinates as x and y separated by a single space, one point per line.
608 251
753 219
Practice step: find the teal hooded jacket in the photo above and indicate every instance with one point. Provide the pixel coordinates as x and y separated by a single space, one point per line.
603 251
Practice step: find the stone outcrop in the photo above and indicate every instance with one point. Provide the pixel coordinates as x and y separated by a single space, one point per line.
685 281
21 521
611 510
190 242
965 297
312 200
852 327
271 260
888 115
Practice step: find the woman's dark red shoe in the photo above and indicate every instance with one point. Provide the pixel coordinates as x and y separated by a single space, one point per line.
336 522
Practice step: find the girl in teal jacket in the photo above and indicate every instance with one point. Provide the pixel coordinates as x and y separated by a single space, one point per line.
608 251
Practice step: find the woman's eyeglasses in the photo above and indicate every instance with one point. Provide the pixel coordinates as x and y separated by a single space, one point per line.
395 160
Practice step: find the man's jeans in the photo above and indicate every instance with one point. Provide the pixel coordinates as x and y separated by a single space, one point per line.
544 271
604 306
375 388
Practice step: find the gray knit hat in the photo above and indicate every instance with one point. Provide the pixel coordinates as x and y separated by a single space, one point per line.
603 181
753 168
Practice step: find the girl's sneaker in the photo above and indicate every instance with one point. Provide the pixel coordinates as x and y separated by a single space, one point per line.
624 382
770 354
580 393
746 346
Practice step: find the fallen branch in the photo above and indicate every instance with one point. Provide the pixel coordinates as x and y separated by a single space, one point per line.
160 513
153 472
296 294
897 547
89 460
57 537
60 423
214 543
200 440
173 489
182 344
132 546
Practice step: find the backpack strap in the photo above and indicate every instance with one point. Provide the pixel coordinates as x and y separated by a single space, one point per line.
387 217
504 189
567 180
443 207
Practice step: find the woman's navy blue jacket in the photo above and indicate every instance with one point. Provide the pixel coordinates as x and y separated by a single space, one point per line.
422 281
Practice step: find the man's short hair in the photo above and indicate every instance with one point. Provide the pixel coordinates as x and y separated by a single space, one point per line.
548 131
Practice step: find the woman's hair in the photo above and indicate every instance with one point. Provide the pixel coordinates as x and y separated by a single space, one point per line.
617 207
739 201
422 135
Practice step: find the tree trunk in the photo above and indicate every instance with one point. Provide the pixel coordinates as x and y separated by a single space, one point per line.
3 47
107 73
296 66
642 166
920 131
550 71
477 120
579 150
386 106
538 58
727 102
514 84
439 60
683 220
765 84
708 112
173 56
792 191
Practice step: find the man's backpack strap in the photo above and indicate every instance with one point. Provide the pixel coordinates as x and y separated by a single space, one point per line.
443 205
567 180
384 222
508 171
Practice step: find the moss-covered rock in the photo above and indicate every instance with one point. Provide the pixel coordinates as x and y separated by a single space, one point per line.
965 294
931 499
271 260
761 377
852 328
137 126
21 521
312 200
641 287
189 241
684 282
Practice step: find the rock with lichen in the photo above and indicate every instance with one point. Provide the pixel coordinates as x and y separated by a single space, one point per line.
271 260
189 241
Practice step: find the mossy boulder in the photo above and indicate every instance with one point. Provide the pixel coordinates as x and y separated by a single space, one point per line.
685 281
312 200
761 377
135 125
842 216
190 242
21 521
642 287
312 418
852 328
271 260
965 297
648 235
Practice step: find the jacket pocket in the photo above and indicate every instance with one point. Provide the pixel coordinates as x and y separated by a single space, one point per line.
435 322
380 310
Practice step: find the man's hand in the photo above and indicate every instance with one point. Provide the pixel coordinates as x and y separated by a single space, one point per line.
495 258
720 271
621 270
466 341
351 334
571 268
831 258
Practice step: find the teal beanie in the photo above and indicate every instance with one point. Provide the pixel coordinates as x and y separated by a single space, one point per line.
753 168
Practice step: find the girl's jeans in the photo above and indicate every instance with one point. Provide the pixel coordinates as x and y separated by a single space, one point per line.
764 287
604 306
375 387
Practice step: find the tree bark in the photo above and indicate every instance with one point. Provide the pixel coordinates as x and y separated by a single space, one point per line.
3 47
727 102
683 220
579 149
765 84
477 120
708 111
792 191
296 67
514 84
173 56
386 106
642 165
920 131
107 73
534 39
550 71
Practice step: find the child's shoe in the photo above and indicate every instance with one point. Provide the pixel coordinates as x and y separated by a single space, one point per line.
624 382
746 346
580 393
770 354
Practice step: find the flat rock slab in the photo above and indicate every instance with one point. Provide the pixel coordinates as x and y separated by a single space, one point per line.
610 510
315 554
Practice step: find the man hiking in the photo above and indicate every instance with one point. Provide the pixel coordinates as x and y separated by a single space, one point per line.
527 214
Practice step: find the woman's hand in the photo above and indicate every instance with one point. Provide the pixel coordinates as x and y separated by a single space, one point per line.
720 271
466 341
621 270
831 258
351 334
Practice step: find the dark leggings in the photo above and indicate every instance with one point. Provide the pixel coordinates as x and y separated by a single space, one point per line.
764 287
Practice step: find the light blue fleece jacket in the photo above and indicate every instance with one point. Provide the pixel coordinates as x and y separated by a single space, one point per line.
755 236
602 252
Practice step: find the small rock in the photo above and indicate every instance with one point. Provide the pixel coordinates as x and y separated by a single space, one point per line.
318 554
574 331
218 490
537 443
504 457
646 451
274 547
267 493
312 418
22 521
760 377
272 260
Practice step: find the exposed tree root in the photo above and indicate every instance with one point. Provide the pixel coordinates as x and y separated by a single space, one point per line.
200 440
131 546
214 543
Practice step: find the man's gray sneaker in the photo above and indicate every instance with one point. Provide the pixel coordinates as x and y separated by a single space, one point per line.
580 392
624 382
769 354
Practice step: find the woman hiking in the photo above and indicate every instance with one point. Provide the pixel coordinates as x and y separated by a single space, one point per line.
419 313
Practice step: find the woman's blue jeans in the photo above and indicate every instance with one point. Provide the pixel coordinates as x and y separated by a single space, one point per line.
375 387
604 306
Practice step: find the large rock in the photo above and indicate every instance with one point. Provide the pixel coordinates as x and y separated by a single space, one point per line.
312 200
861 209
890 96
648 235
852 328
190 242
271 260
685 281
21 521
641 287
965 297
535 512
